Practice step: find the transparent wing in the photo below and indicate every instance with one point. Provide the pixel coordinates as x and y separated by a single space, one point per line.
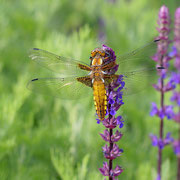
65 67
137 81
138 68
138 59
64 88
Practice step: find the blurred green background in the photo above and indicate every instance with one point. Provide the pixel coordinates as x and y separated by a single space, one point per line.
46 138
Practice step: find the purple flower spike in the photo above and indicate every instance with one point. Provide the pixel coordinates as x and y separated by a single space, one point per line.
162 58
114 102
175 78
163 22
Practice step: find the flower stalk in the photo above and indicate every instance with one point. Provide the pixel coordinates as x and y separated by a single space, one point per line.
114 97
175 78
162 58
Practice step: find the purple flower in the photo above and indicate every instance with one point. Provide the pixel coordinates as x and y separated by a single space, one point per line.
120 121
163 29
176 117
173 53
176 147
168 139
154 140
154 109
160 143
110 54
177 30
117 171
112 123
162 58
111 101
112 111
105 169
98 121
176 48
167 87
114 138
112 153
106 135
163 22
167 111
158 177
117 136
175 77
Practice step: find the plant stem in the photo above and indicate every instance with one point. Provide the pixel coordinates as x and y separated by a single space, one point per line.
111 147
161 122
110 142
178 160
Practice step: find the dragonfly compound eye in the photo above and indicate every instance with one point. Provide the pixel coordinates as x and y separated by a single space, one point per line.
93 53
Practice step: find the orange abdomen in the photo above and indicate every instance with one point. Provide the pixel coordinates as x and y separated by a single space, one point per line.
100 98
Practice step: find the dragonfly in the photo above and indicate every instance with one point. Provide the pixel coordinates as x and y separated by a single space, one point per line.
75 78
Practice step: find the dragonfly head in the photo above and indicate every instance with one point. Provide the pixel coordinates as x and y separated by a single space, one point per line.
97 56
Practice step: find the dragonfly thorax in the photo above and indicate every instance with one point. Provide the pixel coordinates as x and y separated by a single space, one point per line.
97 61
97 74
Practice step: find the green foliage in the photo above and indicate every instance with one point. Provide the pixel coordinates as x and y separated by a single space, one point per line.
62 161
46 138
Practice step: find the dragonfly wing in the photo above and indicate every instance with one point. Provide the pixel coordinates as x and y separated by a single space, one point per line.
65 88
138 59
137 81
65 67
